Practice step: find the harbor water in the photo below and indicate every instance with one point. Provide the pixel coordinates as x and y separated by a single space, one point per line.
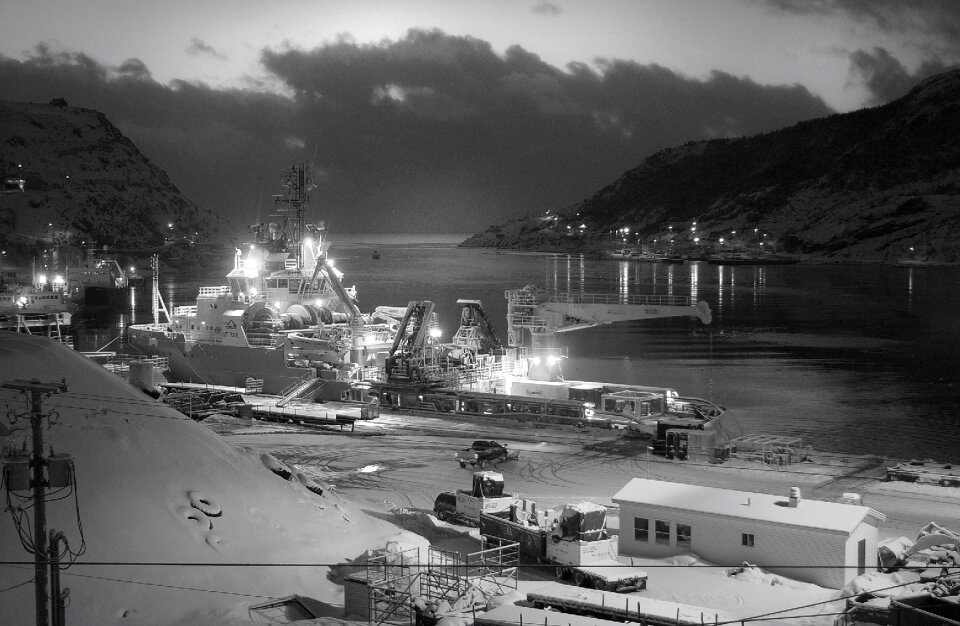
855 359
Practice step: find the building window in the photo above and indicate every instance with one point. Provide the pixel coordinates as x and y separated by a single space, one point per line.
662 532
746 539
641 529
684 533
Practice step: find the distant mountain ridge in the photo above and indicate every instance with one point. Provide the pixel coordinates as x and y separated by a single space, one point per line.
879 184
83 180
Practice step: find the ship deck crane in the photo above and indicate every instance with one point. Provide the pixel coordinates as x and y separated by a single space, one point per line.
407 356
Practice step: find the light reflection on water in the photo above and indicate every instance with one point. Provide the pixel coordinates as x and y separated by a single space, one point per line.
858 359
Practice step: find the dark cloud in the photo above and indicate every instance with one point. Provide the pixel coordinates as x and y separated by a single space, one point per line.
937 18
885 77
428 133
545 7
198 46
133 69
930 28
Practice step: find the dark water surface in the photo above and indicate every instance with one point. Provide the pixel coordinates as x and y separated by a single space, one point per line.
853 359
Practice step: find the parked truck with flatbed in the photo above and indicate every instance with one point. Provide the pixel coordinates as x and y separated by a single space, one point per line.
574 541
466 505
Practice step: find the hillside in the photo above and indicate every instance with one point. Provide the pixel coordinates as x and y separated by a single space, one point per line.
875 185
70 176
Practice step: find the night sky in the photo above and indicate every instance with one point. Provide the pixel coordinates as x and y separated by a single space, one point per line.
449 116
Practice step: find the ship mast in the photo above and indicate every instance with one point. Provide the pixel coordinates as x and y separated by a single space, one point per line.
296 184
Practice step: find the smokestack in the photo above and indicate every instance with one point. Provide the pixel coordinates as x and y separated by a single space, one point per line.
794 497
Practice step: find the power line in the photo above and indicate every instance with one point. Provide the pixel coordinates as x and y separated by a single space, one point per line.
165 586
152 584
11 588
529 566
758 617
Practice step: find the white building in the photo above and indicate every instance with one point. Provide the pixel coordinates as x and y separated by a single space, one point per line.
826 543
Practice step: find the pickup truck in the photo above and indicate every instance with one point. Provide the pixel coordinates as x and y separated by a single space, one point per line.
482 451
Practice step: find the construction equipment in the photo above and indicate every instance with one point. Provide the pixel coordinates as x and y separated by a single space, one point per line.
574 540
485 496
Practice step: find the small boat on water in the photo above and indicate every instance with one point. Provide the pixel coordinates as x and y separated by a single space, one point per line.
742 258
621 254
672 258
632 254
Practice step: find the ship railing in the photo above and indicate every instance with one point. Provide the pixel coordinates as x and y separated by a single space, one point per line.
202 336
370 374
525 297
265 341
185 311
527 321
490 371
300 386
220 290
120 363
573 297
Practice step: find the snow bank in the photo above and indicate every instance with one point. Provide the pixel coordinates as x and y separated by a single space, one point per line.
179 526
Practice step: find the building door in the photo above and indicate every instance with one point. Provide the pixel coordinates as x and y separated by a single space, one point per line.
861 556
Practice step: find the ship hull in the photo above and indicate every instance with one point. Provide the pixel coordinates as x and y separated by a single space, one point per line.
230 366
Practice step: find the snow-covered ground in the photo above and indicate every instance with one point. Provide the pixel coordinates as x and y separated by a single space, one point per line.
145 474
149 556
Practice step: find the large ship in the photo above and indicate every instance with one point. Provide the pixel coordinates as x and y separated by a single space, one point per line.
97 281
285 324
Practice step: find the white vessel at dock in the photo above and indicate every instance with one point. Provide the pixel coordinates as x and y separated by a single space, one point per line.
284 323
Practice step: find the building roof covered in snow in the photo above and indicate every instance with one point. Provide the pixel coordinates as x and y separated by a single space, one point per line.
777 509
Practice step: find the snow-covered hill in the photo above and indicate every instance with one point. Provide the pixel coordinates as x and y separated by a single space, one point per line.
150 556
84 180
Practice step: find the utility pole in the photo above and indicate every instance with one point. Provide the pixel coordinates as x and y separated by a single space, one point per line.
37 391
57 607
